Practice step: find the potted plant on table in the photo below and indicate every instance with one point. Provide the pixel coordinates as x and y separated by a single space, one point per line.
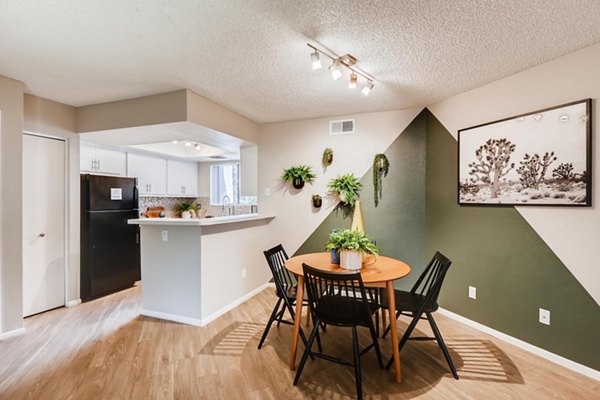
187 209
298 175
351 245
347 187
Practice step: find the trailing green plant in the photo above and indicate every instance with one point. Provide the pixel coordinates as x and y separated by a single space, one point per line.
327 158
346 239
381 167
299 172
186 206
347 186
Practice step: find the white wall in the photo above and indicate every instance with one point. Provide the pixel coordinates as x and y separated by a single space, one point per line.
572 233
49 118
284 144
249 171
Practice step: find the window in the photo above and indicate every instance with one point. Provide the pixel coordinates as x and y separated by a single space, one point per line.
224 183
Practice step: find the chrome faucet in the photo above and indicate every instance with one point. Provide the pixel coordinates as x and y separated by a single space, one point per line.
226 204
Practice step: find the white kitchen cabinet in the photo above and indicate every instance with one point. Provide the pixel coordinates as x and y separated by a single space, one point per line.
98 160
182 178
151 173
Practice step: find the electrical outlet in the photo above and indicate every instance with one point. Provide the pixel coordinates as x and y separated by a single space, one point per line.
544 317
267 191
473 292
165 236
243 273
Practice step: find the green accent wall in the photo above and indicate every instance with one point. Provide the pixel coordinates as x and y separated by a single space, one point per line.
398 222
514 271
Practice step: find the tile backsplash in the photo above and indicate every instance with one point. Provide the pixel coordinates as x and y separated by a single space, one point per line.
169 203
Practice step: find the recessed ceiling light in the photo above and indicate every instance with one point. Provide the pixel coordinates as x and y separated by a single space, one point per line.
175 141
188 144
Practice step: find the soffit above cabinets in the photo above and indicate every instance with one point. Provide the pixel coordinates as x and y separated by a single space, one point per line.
160 138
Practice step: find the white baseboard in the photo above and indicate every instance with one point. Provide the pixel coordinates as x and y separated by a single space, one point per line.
564 362
271 285
232 305
73 303
171 317
13 333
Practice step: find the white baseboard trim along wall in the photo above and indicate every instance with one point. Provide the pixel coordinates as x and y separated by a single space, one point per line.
564 362
73 303
171 317
232 305
11 334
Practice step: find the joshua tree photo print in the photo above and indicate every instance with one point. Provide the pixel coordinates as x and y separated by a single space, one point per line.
540 158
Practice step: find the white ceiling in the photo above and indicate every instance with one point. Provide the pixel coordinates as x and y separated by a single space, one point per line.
251 55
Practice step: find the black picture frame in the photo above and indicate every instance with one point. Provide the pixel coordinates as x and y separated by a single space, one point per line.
541 158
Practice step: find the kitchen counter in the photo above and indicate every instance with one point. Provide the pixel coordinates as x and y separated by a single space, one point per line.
201 221
195 270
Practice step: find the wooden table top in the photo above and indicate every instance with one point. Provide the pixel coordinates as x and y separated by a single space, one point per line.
382 269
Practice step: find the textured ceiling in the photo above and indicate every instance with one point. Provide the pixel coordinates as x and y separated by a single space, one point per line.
251 55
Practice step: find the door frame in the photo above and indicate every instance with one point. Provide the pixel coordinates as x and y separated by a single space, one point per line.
67 204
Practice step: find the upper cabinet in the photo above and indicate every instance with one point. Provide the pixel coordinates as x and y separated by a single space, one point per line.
98 160
182 178
151 173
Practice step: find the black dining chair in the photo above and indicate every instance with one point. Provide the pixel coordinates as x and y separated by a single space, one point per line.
285 289
339 299
420 302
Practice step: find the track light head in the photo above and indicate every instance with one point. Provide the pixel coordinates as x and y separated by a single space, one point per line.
334 68
368 87
197 146
316 61
175 141
188 144
353 80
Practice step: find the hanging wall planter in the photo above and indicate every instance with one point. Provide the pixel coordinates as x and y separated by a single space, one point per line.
298 175
317 201
347 188
327 158
381 166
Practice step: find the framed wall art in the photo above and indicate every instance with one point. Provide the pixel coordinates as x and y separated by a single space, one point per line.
539 158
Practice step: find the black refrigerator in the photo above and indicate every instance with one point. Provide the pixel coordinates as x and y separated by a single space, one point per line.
110 248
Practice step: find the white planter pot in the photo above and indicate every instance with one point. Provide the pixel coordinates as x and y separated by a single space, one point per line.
186 215
342 197
351 259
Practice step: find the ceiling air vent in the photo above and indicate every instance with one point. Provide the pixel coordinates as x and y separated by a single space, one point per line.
218 157
341 127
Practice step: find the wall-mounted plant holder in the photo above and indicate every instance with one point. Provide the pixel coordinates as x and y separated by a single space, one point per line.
317 201
381 166
298 175
327 158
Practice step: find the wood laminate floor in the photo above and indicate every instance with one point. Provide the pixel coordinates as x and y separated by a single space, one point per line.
105 350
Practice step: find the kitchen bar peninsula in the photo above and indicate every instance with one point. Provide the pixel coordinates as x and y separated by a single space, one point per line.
194 270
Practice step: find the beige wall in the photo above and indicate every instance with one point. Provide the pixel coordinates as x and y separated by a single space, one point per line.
249 171
11 251
572 233
49 118
214 116
285 144
141 111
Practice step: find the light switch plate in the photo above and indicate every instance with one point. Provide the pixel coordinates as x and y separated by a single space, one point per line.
165 236
473 292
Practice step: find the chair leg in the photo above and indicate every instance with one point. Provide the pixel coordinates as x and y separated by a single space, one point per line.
383 317
318 335
280 316
377 322
440 340
356 362
389 327
307 316
307 351
376 345
409 330
271 319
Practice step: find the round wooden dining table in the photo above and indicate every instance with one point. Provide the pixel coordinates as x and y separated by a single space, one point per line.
379 269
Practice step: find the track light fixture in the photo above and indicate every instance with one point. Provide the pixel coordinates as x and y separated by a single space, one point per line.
316 61
368 87
347 61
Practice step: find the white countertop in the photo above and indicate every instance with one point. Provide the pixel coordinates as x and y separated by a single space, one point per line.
200 221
